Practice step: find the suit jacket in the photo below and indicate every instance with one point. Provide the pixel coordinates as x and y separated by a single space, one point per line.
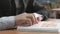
7 8
13 7
32 6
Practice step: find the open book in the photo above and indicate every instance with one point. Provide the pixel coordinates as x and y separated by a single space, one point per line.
43 26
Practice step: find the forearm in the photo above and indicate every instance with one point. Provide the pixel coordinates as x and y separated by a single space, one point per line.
7 22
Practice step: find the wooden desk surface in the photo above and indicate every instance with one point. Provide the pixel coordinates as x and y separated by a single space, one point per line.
16 32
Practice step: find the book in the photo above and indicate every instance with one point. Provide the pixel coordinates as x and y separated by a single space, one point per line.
42 26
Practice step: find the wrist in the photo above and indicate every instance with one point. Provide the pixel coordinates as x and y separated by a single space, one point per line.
17 19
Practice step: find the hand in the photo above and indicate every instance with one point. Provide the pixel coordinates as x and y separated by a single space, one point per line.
25 18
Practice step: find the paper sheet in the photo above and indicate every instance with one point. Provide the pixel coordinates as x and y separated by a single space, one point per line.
43 26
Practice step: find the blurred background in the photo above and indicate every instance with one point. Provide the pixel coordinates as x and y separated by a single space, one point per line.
51 4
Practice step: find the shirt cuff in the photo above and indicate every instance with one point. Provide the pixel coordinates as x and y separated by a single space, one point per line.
8 22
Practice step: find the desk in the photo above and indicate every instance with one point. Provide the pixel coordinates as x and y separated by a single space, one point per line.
16 32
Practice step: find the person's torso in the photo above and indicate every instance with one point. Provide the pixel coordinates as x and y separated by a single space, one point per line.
7 8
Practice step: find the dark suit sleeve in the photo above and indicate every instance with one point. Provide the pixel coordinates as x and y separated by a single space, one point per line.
34 7
42 10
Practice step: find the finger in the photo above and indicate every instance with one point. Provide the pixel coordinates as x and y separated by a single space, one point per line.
32 17
28 21
37 19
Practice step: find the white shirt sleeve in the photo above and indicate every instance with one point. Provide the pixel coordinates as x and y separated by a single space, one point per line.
7 22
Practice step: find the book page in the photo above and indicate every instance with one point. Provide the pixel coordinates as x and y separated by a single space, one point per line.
42 26
46 24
